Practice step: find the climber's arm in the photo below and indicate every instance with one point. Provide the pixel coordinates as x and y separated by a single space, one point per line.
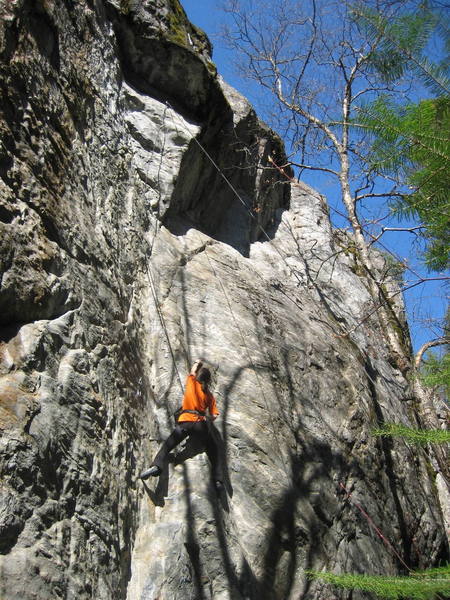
214 413
195 367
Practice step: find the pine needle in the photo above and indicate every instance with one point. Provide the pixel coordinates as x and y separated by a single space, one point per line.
416 436
419 586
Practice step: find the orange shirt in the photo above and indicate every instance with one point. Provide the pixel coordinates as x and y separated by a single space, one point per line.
195 399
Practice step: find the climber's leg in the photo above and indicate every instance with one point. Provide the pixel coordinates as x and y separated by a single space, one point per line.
177 436
215 458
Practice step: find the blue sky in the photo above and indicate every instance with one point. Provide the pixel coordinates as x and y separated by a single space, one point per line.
425 302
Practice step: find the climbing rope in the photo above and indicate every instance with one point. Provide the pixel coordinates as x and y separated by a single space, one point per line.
162 321
148 269
158 307
261 387
225 293
150 246
238 196
235 192
377 530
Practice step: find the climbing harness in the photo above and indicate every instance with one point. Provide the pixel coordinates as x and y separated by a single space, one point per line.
177 414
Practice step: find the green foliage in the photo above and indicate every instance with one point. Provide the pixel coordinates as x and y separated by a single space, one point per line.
435 372
418 586
415 436
413 143
427 126
435 369
393 267
401 45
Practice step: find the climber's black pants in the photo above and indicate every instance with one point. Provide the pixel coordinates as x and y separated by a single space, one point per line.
200 431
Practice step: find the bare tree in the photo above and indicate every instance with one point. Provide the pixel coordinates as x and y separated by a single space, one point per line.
318 65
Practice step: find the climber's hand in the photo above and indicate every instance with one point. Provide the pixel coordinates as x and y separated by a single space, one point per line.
196 366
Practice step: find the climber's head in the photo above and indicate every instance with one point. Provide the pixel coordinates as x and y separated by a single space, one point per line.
204 378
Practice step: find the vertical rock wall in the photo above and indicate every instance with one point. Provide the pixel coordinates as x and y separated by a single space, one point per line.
124 256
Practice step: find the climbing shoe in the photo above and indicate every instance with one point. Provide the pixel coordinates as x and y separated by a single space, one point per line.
152 472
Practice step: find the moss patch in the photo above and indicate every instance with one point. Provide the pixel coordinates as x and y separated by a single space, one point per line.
178 23
181 31
125 6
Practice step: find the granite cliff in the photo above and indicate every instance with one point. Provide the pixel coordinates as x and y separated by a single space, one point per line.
125 255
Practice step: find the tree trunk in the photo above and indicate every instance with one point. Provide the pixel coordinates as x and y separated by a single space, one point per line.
384 311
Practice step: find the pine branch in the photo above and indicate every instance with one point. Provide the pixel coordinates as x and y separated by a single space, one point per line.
416 436
423 587
399 36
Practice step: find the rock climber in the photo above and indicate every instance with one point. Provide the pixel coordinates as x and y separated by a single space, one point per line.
193 422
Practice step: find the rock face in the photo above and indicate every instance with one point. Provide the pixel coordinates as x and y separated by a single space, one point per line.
125 255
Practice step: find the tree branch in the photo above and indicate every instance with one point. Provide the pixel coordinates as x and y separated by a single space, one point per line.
437 342
302 166
373 195
384 229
